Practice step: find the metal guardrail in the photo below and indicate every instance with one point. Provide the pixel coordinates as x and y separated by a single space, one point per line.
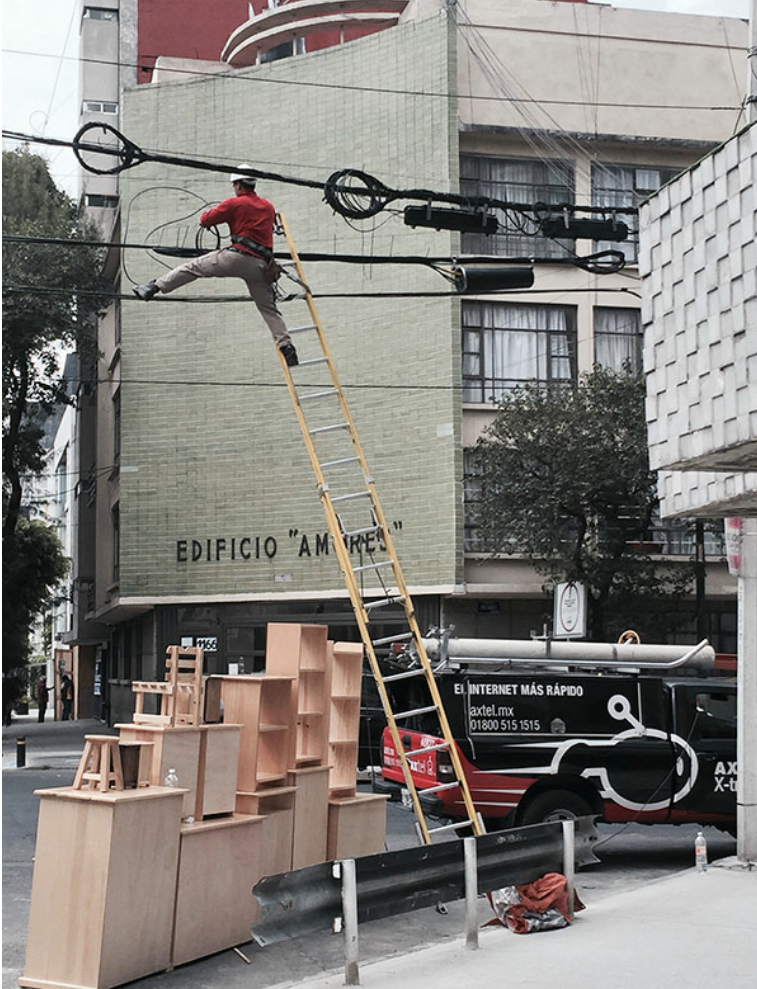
334 896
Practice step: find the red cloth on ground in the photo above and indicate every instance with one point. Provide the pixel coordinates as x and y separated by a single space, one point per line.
550 892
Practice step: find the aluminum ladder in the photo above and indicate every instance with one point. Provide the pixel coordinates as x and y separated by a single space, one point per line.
350 501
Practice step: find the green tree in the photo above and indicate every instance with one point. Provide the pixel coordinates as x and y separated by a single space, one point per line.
564 479
51 295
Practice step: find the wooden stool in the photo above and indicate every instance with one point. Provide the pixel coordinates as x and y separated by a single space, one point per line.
100 764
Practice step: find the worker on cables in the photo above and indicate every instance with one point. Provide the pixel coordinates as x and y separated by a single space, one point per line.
250 257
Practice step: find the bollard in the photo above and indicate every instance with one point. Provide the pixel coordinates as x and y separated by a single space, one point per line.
20 752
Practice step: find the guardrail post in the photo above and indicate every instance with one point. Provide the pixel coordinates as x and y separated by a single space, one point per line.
349 910
569 858
471 893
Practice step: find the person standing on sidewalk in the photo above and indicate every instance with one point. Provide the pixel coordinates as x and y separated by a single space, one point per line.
66 696
250 219
43 692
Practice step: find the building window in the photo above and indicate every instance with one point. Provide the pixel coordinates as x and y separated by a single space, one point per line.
99 14
61 481
626 185
106 202
617 339
99 106
115 520
519 180
505 346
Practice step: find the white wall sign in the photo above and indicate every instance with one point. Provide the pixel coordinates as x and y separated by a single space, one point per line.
570 611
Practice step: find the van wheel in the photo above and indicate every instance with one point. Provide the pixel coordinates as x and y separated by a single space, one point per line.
555 805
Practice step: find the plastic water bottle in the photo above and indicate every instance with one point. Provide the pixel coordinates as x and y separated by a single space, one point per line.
171 778
700 852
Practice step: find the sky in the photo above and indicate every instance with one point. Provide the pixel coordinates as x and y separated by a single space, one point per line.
40 87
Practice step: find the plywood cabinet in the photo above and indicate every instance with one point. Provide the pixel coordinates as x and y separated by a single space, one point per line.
220 862
103 887
357 825
344 720
311 814
173 748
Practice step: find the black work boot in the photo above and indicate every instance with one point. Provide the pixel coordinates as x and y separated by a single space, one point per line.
146 292
290 354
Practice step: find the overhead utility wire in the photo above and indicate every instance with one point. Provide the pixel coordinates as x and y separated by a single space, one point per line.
338 191
234 74
361 259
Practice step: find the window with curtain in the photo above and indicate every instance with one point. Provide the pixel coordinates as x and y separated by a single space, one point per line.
520 180
617 338
505 346
626 185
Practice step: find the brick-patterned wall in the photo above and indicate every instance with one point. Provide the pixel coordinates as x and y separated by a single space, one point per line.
698 263
210 445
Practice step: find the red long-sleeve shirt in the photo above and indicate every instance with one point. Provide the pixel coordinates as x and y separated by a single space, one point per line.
248 215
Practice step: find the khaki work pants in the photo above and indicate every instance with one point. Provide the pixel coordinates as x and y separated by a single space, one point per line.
232 264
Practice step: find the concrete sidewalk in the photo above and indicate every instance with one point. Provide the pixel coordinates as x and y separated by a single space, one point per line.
697 930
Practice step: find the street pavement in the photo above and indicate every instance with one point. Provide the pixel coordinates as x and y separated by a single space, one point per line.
691 929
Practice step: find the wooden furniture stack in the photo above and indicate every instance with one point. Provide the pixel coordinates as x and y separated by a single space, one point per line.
132 877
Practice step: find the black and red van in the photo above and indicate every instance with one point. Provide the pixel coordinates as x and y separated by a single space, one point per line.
539 746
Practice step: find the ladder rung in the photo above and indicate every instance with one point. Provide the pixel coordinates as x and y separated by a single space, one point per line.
438 787
302 329
338 463
328 429
351 497
426 748
393 638
369 605
404 676
451 827
417 710
373 566
318 394
361 532
314 360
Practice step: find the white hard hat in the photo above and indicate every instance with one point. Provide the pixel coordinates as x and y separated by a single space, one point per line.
247 179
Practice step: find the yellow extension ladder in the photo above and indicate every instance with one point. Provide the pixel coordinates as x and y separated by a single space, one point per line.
353 510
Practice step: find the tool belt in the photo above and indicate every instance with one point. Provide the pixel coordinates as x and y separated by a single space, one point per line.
272 270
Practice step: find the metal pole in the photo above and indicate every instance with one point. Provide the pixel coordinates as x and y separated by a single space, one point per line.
746 744
349 910
569 858
471 893
20 752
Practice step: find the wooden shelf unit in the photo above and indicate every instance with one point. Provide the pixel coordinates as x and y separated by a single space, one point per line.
303 652
344 716
262 706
